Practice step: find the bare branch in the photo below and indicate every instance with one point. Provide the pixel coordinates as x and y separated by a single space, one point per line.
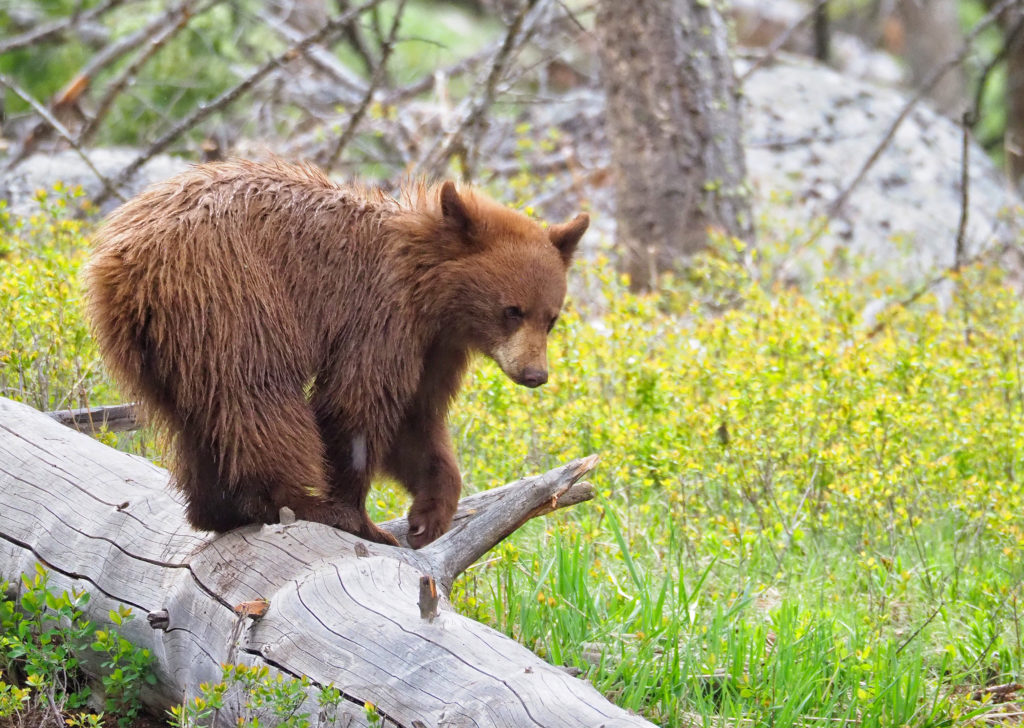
356 39
156 42
999 57
108 186
507 509
378 77
429 81
50 31
965 185
318 57
833 209
475 107
199 114
915 295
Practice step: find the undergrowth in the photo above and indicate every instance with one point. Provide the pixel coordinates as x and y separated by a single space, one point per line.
802 518
44 637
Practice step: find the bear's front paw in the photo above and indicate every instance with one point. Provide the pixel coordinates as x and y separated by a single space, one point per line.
427 526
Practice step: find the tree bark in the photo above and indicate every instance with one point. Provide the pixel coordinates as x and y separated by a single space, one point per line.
674 125
1013 136
341 610
931 33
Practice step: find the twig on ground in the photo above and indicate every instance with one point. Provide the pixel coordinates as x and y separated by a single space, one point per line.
379 74
109 187
329 28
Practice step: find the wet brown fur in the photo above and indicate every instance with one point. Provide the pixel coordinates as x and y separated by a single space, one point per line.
295 337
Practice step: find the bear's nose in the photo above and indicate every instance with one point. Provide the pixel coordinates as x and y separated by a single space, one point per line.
533 377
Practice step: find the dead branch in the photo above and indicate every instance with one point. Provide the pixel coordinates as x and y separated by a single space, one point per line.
986 72
115 418
489 520
108 186
915 295
965 185
64 103
472 506
474 108
429 81
330 28
836 205
781 39
301 598
164 32
319 57
356 39
379 74
50 31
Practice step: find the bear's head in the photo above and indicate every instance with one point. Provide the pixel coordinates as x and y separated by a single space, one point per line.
509 281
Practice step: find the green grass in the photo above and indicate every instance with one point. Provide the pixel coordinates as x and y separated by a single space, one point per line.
797 523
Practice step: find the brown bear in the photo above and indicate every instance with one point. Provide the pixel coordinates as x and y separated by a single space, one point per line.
296 337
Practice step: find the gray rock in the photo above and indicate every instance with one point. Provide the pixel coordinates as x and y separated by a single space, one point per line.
18 185
809 131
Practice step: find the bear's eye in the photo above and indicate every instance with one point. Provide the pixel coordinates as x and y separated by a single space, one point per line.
514 313
551 323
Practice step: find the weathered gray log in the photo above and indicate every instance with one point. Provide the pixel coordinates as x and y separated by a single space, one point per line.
115 417
341 610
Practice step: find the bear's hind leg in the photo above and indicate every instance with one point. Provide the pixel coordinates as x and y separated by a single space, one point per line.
260 454
210 505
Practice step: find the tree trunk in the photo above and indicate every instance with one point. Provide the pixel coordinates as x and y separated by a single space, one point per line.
673 122
931 34
1013 136
341 610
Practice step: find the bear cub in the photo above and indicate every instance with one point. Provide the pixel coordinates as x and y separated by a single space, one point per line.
295 337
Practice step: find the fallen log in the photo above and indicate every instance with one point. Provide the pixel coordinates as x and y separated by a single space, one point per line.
114 417
372 620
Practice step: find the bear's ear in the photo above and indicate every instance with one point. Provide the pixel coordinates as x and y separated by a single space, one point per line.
567 235
454 211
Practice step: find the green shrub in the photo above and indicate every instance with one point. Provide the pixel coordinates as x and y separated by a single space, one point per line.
47 358
43 637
